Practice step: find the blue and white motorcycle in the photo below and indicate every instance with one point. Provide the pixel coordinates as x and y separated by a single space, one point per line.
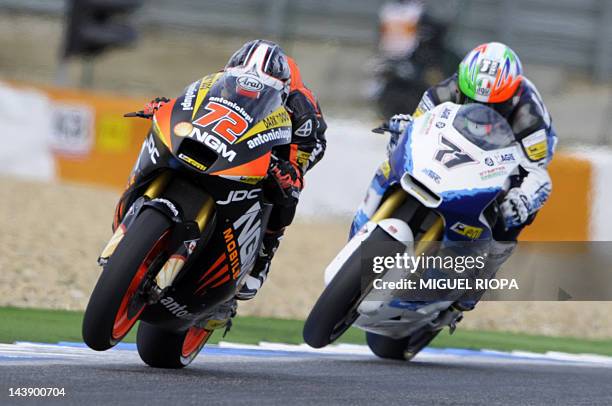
445 176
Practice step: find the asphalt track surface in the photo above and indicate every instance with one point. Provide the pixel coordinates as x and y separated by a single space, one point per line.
293 375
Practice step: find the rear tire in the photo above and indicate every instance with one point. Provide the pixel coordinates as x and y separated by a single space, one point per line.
387 347
161 348
401 349
111 312
418 341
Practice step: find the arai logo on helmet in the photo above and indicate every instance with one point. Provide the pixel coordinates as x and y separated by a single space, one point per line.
250 83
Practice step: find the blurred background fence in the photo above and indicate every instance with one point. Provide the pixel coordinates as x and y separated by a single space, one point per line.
571 33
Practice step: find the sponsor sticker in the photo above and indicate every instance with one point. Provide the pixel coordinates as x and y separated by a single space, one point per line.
503 158
183 129
272 135
176 308
213 143
251 180
536 145
250 83
234 106
192 162
232 251
302 158
468 231
239 195
190 94
168 204
433 175
149 144
248 228
277 119
493 173
483 91
207 81
385 169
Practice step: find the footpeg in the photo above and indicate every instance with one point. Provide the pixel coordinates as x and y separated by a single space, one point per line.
452 326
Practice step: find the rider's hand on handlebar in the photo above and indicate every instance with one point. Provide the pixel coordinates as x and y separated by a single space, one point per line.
288 182
399 122
396 125
149 108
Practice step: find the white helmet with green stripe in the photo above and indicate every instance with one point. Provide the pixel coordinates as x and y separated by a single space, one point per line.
490 73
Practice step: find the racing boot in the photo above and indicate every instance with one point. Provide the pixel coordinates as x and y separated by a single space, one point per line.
221 317
258 275
498 253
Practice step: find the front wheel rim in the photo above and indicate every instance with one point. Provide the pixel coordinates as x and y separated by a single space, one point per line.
123 323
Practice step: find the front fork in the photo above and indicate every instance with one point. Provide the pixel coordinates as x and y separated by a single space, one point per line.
392 203
183 240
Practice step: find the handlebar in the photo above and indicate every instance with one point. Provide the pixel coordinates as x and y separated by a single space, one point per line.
384 128
139 114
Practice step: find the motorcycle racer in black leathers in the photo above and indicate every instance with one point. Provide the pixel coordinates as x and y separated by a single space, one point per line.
290 162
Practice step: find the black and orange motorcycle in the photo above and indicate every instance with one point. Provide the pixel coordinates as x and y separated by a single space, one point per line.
189 226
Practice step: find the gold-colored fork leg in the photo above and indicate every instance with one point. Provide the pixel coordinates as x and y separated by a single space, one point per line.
391 203
157 186
205 213
434 233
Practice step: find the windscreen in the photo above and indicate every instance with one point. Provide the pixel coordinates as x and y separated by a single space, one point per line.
484 127
256 102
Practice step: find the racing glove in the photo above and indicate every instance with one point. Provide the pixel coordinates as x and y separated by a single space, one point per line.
515 208
397 125
287 183
399 122
154 105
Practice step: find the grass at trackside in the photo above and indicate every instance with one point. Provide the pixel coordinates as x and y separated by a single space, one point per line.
51 326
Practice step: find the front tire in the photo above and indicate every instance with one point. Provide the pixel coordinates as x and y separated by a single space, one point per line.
161 348
336 308
112 310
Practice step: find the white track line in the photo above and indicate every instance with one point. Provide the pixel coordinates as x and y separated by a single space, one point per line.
24 352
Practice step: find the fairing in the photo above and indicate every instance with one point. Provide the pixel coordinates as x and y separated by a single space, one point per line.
218 127
466 172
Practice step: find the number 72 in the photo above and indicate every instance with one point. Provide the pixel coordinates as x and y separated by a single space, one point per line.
230 125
